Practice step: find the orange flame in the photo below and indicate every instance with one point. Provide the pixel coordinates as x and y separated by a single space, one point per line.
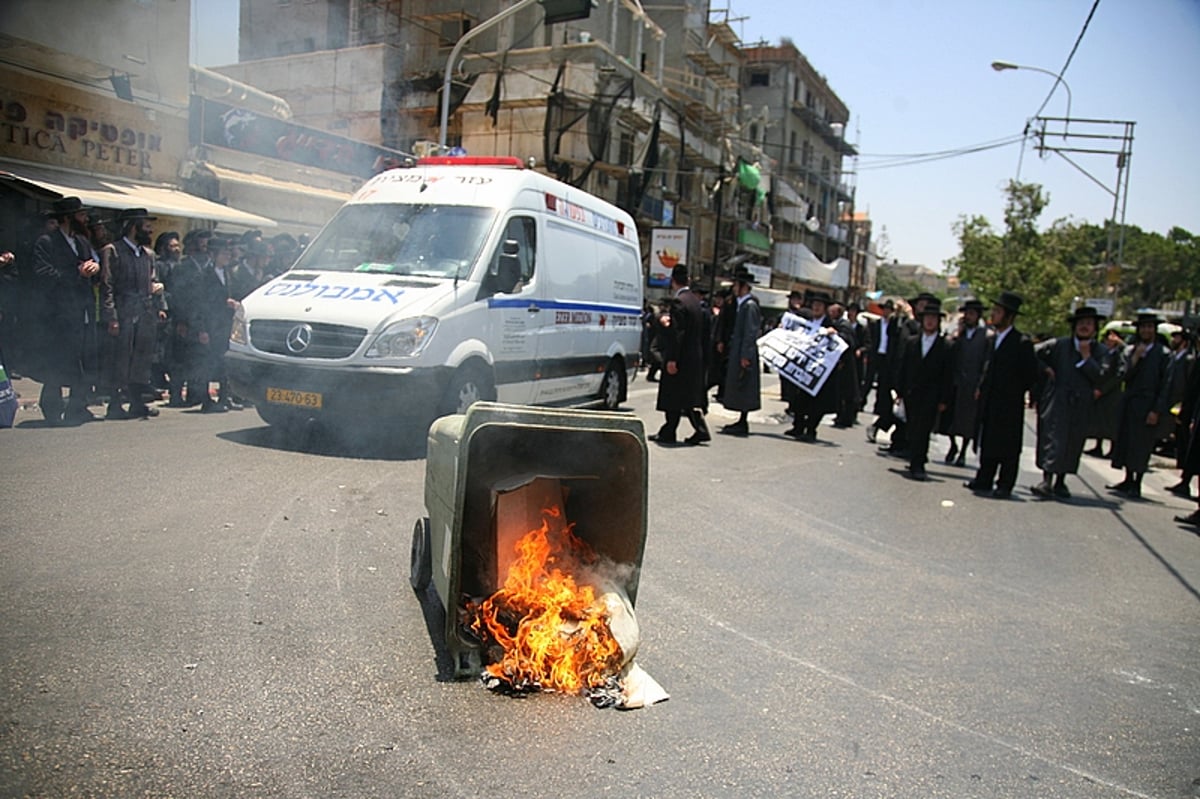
554 633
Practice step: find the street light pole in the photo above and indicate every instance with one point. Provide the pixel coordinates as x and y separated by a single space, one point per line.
486 25
1001 66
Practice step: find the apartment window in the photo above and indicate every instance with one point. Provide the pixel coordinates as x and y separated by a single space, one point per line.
806 154
760 77
792 148
451 31
826 168
754 134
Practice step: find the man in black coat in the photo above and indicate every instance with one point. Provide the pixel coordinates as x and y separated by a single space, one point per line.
1071 374
1189 415
926 382
884 334
64 271
1009 373
1144 404
681 390
807 409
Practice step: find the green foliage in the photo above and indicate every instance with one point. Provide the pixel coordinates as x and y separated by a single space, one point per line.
1068 260
892 286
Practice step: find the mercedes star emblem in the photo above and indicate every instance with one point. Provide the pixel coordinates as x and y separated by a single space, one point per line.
299 337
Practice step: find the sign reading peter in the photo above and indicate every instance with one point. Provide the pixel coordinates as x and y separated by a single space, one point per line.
802 352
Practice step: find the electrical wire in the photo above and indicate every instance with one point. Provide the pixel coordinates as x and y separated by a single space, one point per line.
1063 71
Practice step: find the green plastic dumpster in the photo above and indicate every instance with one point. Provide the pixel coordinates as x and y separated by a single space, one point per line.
598 457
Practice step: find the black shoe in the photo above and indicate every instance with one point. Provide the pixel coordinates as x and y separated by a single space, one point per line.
971 485
696 439
794 432
117 412
1120 487
736 429
1180 489
1096 451
1192 519
1061 491
1042 490
216 407
80 416
1002 493
142 412
918 473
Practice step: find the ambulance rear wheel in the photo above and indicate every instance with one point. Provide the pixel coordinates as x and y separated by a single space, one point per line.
421 569
469 385
612 387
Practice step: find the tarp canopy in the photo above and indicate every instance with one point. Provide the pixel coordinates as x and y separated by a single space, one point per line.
105 192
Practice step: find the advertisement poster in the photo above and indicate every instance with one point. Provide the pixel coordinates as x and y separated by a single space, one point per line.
805 355
668 247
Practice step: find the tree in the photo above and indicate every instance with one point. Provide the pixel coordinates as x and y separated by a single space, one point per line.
1019 260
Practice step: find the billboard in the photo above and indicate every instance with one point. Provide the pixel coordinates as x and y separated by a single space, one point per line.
668 247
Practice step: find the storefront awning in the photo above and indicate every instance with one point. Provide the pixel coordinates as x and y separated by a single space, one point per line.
293 204
104 192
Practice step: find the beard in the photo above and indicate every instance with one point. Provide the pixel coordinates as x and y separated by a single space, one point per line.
142 237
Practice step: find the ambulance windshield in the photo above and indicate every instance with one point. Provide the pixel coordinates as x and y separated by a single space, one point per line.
439 241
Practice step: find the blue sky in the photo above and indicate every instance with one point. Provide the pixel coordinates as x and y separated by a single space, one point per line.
916 77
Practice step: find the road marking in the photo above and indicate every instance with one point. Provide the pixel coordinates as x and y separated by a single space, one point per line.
900 703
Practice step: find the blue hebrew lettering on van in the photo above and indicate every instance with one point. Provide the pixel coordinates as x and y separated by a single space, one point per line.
327 292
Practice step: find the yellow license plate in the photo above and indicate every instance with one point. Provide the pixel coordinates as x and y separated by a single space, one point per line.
286 396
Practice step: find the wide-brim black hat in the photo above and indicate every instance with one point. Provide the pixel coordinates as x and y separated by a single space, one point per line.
932 308
1010 301
131 214
972 304
819 296
65 206
924 295
1084 312
744 276
1146 317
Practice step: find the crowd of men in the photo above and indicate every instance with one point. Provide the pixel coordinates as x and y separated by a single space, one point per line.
972 385
92 309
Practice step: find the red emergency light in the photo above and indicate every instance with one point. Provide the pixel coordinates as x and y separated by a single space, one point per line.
471 160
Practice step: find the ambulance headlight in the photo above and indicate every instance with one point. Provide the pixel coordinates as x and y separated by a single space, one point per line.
403 339
238 333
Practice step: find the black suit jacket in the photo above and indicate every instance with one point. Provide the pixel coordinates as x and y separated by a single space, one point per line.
1009 373
926 380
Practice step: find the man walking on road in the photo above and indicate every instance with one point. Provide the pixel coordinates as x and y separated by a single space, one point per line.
1143 405
1071 372
681 389
743 379
925 383
1009 373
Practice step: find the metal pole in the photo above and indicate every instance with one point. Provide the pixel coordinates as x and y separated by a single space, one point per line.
486 25
712 285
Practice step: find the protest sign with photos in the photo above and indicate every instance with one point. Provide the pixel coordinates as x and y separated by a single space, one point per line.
804 354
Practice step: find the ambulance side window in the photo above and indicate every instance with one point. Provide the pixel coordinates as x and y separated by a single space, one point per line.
512 265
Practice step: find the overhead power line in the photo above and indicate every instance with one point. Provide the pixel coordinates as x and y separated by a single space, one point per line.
1063 71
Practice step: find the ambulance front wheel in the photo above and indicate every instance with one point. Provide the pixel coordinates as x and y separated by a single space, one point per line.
421 569
470 384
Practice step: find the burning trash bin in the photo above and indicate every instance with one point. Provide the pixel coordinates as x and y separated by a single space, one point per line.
533 545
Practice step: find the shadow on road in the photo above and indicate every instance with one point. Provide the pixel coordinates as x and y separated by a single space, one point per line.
1116 508
393 445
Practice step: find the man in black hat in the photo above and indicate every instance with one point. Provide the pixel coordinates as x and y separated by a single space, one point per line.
1071 373
925 385
742 388
807 409
1145 405
970 350
132 306
1009 373
64 270
681 390
882 358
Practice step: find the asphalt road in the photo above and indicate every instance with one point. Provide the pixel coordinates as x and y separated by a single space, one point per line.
193 607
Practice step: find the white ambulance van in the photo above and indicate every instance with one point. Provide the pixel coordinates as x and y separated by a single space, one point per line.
455 280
